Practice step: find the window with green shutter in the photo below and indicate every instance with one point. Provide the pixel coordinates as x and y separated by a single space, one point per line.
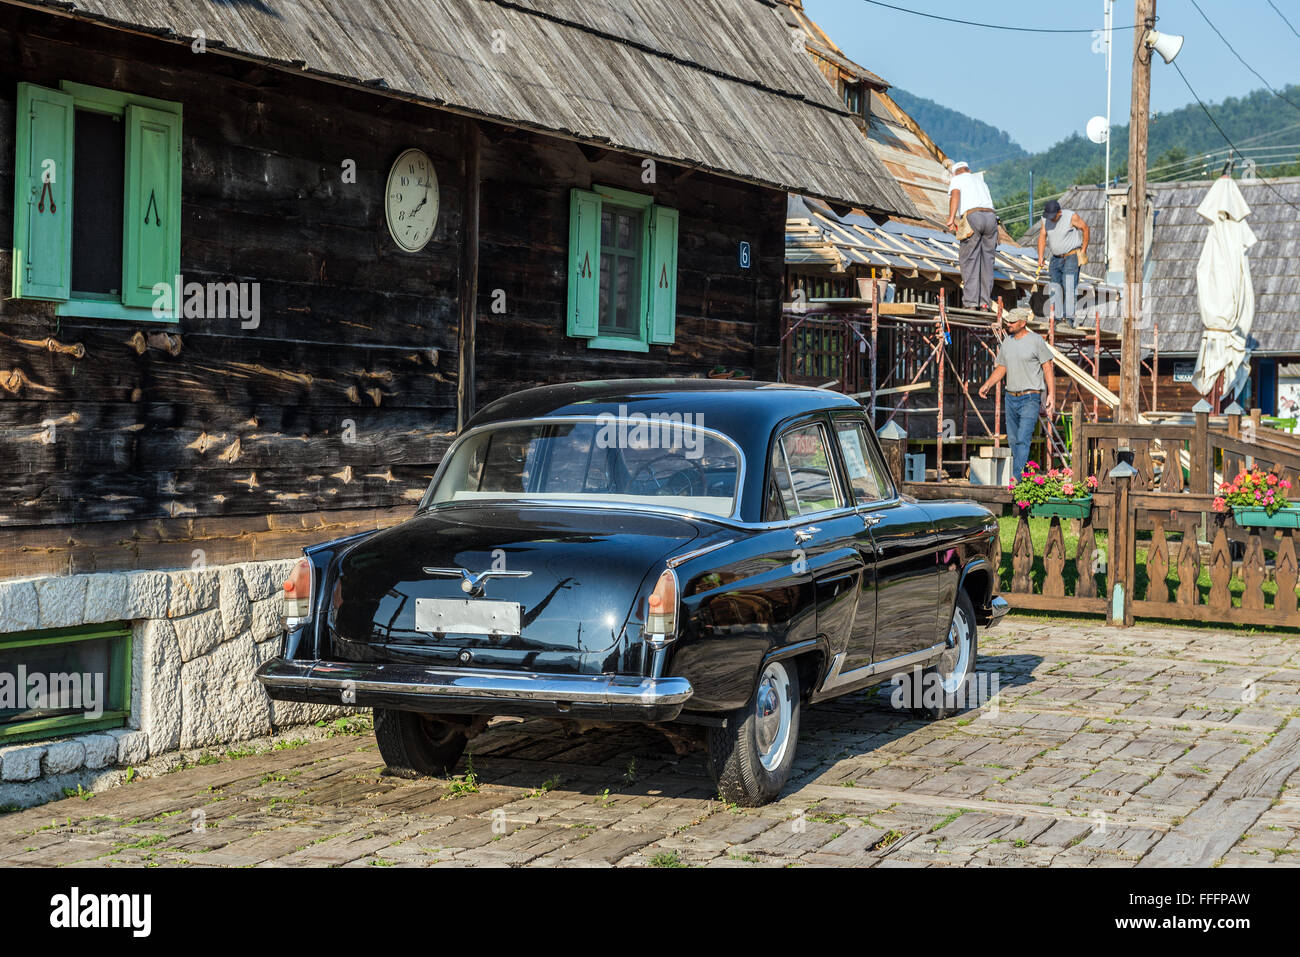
622 270
97 200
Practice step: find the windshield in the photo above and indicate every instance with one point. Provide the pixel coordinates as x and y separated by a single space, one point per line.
635 460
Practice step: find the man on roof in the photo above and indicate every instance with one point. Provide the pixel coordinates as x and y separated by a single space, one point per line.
969 201
1065 235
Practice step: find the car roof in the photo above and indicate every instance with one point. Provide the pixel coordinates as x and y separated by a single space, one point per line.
746 411
728 402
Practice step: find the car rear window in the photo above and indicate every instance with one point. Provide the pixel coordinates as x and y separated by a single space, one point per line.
636 460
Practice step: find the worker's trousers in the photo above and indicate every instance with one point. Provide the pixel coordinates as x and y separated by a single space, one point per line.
976 260
1022 417
1063 273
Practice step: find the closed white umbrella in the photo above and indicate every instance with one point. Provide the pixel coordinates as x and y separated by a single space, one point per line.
1223 290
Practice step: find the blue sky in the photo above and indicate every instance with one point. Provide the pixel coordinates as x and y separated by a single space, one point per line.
1040 88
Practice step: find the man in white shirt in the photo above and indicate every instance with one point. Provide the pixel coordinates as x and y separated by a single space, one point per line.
969 197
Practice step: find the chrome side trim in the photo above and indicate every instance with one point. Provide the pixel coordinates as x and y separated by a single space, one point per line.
471 683
687 556
837 679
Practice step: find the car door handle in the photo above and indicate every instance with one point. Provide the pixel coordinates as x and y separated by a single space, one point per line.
871 521
803 534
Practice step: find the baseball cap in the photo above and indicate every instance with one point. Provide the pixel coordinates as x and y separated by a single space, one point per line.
1051 208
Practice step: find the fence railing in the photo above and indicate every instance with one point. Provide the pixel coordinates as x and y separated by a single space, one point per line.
1183 458
1145 554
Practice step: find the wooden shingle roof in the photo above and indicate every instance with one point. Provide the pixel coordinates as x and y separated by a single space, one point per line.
711 84
1178 234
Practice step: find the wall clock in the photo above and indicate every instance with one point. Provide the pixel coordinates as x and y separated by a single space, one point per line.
411 200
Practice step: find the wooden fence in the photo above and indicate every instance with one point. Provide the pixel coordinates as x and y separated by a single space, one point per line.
1153 546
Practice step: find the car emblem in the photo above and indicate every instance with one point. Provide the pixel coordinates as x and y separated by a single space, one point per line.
472 584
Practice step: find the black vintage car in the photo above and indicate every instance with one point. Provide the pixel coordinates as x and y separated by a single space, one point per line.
707 557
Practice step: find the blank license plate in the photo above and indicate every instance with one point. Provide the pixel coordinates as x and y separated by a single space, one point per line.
466 616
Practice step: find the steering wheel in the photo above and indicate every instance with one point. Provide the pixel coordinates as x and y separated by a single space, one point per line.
683 481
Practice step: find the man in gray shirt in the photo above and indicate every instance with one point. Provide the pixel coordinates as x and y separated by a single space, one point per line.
1025 361
1065 236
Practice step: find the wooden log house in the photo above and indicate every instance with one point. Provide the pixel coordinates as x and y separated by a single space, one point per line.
269 256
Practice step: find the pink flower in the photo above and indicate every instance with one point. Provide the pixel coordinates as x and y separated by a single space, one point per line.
1022 504
1068 488
1220 505
1039 480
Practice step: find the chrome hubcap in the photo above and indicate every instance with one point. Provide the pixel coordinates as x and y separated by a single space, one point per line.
956 658
772 712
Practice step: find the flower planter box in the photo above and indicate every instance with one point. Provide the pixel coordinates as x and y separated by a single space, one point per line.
1063 508
1288 517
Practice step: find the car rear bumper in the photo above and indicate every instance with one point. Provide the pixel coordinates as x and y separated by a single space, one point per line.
475 691
998 607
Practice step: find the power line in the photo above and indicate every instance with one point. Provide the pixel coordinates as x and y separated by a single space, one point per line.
986 26
1283 16
1227 139
1241 58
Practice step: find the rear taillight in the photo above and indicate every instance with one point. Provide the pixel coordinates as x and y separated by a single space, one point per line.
297 595
661 606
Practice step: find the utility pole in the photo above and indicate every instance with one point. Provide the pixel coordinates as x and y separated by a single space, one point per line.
1130 355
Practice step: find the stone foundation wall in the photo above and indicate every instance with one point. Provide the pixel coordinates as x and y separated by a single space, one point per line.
197 639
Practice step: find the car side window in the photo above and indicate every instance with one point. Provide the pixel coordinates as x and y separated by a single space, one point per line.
867 476
805 459
781 503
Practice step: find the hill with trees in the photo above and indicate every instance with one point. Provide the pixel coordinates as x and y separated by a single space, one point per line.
959 135
1183 145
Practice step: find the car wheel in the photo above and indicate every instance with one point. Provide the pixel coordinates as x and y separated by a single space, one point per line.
751 757
420 745
943 688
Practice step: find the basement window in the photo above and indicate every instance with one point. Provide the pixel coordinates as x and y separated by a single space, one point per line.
64 681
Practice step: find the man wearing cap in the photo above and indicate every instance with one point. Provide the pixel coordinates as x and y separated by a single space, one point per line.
969 197
1065 236
1025 361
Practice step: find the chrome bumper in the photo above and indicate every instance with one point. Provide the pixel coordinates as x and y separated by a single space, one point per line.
475 691
998 608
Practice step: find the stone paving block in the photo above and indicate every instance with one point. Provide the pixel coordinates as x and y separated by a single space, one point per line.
608 846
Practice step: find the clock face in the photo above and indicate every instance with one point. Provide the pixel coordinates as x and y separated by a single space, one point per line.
411 200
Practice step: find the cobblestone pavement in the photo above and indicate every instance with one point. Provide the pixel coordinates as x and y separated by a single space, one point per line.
1154 745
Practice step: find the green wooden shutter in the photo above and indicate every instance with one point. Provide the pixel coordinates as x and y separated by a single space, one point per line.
42 262
584 263
151 252
661 312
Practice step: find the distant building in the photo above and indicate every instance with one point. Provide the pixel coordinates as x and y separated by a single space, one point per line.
1177 236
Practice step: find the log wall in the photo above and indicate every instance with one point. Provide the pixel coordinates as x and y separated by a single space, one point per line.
125 442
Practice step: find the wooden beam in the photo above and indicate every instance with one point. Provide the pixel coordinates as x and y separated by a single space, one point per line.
468 278
915 387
